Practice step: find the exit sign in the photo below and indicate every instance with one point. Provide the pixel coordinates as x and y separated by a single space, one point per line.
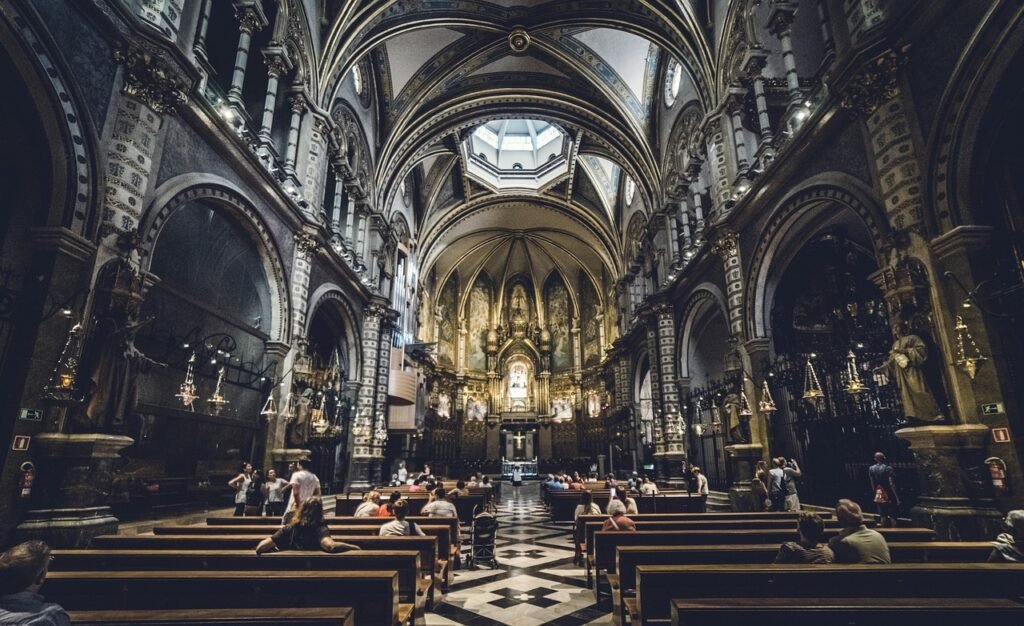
1001 435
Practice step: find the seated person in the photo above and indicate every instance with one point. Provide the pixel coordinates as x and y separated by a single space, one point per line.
486 483
809 549
1009 546
385 510
307 530
472 482
440 506
399 527
630 503
617 520
23 571
648 488
857 543
370 505
460 491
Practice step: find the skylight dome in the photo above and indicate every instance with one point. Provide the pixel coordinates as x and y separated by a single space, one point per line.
517 153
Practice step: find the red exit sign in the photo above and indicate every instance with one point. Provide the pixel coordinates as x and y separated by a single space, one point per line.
1001 435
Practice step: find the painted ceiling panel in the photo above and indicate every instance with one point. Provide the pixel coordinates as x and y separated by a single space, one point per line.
624 52
511 64
408 52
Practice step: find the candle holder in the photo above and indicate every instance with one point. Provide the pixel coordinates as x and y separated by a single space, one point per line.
60 389
187 390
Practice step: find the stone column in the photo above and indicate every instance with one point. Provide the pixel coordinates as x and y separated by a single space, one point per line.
339 192
715 142
202 26
754 69
734 107
298 105
779 23
673 234
250 20
278 65
306 248
363 453
350 225
728 249
684 221
674 448
380 434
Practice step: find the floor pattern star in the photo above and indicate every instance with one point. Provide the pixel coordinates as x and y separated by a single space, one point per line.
535 583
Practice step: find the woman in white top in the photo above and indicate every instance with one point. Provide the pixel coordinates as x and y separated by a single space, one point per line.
517 480
630 504
587 506
648 488
370 505
702 488
274 491
241 484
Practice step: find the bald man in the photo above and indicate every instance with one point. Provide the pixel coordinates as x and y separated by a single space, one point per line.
857 543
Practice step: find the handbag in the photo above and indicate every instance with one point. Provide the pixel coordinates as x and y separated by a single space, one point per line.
881 495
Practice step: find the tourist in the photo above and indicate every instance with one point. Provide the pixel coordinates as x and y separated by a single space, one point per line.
472 482
306 530
486 483
241 484
304 485
254 495
440 506
883 488
424 475
857 543
576 483
702 489
782 488
23 571
517 480
759 487
648 488
587 506
617 520
809 548
609 481
460 491
399 527
388 508
274 489
1009 546
370 505
403 474
631 508
691 480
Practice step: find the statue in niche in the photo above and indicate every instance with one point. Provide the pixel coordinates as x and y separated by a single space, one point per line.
906 365
593 405
297 431
518 306
444 405
739 425
476 409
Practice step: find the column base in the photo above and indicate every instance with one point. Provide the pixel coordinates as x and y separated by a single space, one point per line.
742 458
672 469
956 494
362 473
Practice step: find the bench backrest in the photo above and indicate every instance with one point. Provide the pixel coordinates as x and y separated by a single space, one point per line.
311 616
605 543
373 595
629 557
563 503
465 505
658 585
405 562
273 522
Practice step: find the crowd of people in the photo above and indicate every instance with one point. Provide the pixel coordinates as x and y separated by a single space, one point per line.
257 493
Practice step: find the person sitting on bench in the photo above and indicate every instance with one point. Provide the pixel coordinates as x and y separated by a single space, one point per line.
23 570
399 527
617 519
307 530
809 549
857 543
1009 546
370 505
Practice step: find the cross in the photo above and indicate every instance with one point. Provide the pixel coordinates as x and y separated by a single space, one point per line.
519 438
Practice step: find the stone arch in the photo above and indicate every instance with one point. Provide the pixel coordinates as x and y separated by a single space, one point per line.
706 299
187 188
330 294
71 135
806 211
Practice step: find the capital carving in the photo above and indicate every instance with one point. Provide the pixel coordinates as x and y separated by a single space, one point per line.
277 65
307 244
781 18
726 245
249 21
298 104
875 84
149 79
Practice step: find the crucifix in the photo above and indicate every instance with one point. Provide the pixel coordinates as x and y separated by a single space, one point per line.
519 438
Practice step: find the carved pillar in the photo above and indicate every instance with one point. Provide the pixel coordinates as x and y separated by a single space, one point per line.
734 107
363 452
726 246
278 65
339 194
250 20
350 225
698 212
673 234
684 223
202 26
715 143
674 433
298 105
306 248
779 23
754 70
388 325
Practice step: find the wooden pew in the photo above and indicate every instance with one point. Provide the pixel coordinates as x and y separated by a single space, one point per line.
442 533
309 616
413 588
658 585
563 503
622 581
847 611
426 546
273 522
346 505
372 595
601 554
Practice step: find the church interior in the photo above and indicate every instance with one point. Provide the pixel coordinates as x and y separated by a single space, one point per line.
751 271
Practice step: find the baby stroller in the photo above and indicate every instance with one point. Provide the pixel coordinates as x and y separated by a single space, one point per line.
485 527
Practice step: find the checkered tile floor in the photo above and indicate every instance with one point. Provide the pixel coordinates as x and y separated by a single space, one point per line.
535 583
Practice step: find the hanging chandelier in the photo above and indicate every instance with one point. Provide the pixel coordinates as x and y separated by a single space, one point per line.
812 387
767 403
967 364
187 390
854 385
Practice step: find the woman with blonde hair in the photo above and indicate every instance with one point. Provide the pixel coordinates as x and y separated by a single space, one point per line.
370 505
306 530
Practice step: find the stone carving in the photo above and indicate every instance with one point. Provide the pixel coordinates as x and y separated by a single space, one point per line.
874 85
150 80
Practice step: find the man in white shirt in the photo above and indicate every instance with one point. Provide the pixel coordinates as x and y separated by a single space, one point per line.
648 488
304 484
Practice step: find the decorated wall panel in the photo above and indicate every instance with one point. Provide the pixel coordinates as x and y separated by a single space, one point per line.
559 322
447 322
590 322
478 317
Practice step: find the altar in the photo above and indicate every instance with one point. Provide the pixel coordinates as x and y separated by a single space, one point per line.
528 468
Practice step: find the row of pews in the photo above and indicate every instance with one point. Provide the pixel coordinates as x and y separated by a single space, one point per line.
716 569
210 574
562 503
467 506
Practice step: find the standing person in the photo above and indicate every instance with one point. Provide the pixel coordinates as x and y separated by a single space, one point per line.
517 480
307 530
403 474
241 484
399 527
759 487
254 495
782 487
702 490
388 508
370 505
883 486
691 481
304 485
809 549
857 543
23 571
274 491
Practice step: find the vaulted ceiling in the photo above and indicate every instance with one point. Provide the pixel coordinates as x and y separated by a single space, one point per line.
588 68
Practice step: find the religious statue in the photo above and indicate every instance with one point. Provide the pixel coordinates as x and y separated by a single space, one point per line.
298 429
518 303
905 365
739 425
444 405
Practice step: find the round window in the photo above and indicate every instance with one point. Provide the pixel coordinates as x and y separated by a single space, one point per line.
630 191
673 81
